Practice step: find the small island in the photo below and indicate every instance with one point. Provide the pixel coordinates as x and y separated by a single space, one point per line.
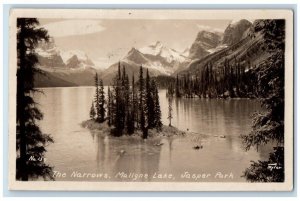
129 110
104 129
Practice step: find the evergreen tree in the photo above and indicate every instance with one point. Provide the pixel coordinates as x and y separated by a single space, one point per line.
92 111
269 125
96 99
170 110
142 120
149 103
109 106
118 108
101 103
30 142
134 103
157 111
126 96
177 92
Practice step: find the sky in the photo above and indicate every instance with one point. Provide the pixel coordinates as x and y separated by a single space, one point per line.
106 41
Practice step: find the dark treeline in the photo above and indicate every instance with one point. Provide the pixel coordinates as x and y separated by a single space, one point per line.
130 105
163 81
229 80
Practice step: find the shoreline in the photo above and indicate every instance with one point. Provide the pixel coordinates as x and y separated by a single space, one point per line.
104 129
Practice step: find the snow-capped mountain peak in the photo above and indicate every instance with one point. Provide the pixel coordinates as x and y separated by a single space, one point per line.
52 57
158 49
186 52
157 57
66 55
153 49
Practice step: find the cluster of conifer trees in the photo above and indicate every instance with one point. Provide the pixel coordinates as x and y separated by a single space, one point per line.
228 80
129 107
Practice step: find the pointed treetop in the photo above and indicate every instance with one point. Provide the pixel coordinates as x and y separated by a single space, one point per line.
119 70
124 72
141 70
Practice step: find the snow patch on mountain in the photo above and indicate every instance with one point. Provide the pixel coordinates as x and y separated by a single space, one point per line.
48 52
158 49
218 48
52 57
66 55
153 49
186 52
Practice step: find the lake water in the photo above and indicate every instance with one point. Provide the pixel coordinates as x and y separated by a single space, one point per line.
82 155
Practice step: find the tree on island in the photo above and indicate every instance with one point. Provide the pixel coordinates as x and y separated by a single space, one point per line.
102 109
170 109
130 109
96 98
92 111
99 101
149 103
134 103
157 112
30 142
142 120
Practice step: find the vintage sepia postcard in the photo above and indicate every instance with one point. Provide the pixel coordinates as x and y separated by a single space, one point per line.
151 100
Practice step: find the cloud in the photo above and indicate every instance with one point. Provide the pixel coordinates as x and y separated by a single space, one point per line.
73 27
208 28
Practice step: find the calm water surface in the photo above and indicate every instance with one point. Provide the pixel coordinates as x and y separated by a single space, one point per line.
77 150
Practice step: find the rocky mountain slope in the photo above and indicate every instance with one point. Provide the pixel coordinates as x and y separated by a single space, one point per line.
249 51
208 42
204 41
235 32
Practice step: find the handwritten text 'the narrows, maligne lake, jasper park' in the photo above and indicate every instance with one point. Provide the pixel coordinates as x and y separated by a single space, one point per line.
133 176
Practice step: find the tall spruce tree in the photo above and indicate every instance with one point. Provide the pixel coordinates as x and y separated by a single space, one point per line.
109 106
149 103
134 104
92 111
96 98
118 109
102 109
30 142
177 91
170 110
142 120
127 103
157 111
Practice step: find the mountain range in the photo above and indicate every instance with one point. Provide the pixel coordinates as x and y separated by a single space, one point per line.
75 68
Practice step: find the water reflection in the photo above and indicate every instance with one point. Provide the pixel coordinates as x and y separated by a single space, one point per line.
78 149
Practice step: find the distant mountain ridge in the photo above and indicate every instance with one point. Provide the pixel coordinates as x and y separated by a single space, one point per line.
77 68
63 68
157 58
